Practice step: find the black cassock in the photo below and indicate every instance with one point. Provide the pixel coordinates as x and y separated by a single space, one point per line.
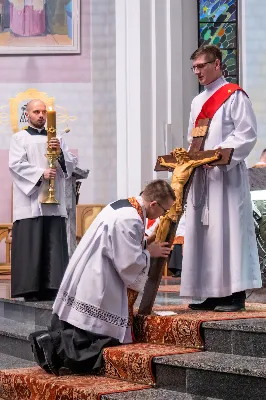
175 263
39 256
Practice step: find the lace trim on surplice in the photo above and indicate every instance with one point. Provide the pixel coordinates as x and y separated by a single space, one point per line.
93 311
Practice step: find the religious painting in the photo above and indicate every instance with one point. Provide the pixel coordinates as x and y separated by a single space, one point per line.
39 26
218 25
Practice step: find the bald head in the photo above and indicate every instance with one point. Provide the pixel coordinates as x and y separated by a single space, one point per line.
36 113
35 103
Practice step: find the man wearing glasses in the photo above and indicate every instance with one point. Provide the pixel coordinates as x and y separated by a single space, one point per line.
91 309
220 256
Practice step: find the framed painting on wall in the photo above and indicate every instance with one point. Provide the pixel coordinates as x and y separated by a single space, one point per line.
39 26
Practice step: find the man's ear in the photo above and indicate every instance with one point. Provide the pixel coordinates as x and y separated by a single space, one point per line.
218 64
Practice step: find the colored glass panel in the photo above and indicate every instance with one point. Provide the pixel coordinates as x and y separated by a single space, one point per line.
217 10
229 62
222 35
232 79
218 25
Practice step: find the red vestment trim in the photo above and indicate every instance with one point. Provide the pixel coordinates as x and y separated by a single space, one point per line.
214 102
150 223
134 202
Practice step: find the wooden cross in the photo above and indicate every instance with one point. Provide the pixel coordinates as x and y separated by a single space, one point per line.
195 153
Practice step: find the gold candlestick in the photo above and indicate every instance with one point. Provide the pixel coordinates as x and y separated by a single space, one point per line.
51 124
52 155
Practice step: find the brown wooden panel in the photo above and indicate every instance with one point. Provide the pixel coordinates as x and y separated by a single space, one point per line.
155 276
203 122
197 143
224 160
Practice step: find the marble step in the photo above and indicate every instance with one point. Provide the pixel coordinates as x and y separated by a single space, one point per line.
232 377
154 394
10 362
14 338
217 375
245 337
38 313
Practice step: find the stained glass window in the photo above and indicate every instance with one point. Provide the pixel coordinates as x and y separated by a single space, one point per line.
218 25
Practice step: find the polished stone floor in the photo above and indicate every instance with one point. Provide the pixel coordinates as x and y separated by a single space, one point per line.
162 298
5 287
168 293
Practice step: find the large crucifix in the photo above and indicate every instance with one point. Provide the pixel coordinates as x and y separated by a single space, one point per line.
183 165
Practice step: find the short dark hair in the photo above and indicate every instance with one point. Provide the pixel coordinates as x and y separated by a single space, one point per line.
210 50
158 190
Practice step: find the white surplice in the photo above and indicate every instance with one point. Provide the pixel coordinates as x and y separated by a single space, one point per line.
109 259
180 230
220 252
27 162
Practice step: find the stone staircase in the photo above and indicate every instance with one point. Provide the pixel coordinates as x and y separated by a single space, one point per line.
232 367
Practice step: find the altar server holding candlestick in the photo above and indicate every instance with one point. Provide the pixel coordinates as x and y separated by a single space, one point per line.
39 242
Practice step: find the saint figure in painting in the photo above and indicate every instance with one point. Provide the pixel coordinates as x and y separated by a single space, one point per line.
27 17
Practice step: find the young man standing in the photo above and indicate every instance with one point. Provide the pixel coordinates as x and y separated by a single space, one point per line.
220 257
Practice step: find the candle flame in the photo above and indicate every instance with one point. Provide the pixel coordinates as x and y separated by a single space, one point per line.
50 108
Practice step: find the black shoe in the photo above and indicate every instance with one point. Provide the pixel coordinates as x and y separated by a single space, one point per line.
208 305
34 299
231 308
237 303
44 352
177 274
37 351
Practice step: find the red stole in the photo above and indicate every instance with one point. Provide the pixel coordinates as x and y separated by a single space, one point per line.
214 102
150 223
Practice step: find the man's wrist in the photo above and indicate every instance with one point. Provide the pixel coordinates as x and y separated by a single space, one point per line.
40 180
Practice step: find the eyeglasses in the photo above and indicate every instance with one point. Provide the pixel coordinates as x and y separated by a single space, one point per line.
201 66
164 209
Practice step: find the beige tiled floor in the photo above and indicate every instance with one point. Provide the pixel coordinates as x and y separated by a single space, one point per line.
5 287
6 39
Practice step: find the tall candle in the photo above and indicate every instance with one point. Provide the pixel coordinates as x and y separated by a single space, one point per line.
51 123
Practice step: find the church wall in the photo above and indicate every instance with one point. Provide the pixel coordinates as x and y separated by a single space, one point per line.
55 68
254 66
103 30
155 84
189 45
83 85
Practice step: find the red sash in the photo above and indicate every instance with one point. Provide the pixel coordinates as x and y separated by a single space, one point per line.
150 223
214 102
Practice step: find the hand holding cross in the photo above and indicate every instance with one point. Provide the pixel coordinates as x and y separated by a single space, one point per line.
182 177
